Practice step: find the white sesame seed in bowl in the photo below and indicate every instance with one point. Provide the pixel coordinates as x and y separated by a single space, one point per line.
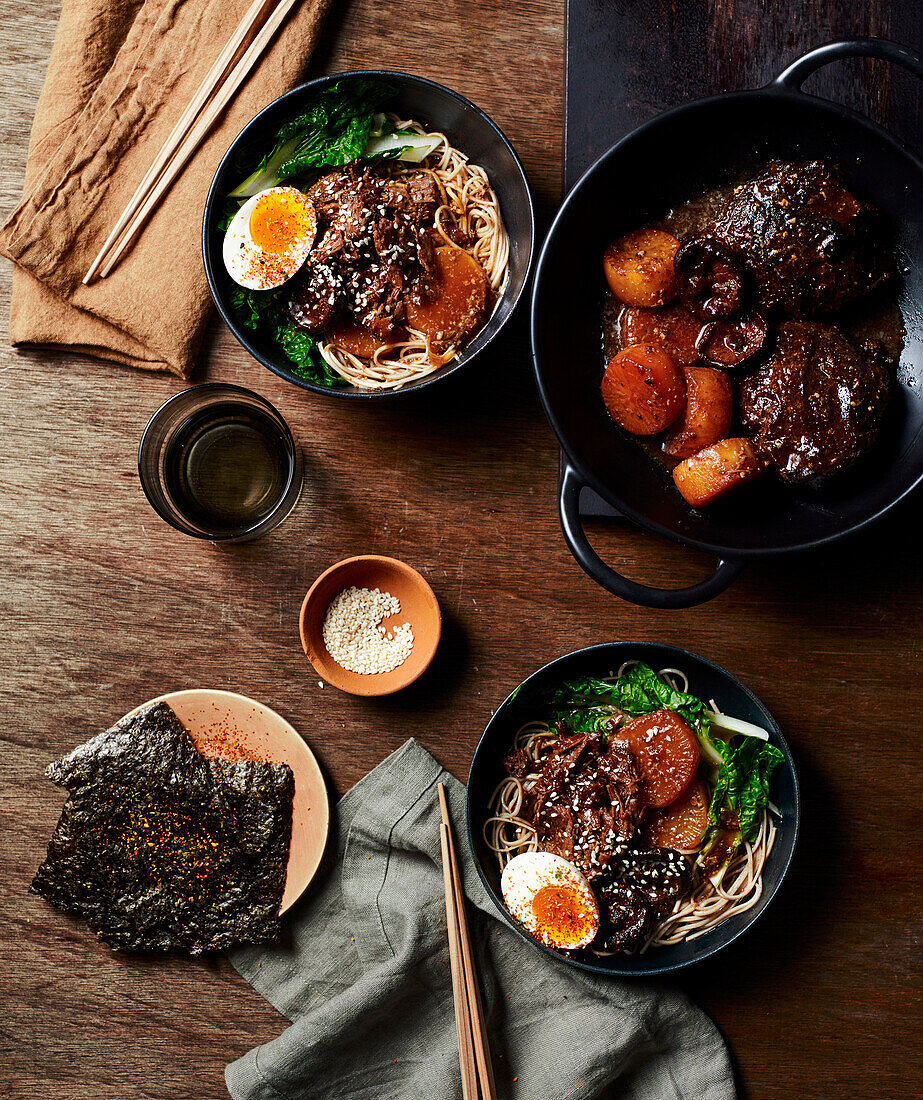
354 636
370 625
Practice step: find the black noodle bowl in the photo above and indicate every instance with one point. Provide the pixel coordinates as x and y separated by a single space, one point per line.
706 680
439 109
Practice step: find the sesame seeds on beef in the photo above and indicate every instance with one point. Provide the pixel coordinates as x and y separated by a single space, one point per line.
374 247
586 801
637 892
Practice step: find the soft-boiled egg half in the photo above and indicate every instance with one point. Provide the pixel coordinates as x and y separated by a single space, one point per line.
270 238
550 898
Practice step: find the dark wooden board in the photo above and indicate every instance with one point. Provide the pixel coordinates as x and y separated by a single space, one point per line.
102 606
628 61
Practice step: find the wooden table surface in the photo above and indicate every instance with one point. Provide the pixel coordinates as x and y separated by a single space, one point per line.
104 606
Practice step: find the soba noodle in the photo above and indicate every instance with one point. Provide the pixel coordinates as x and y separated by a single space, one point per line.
706 906
468 204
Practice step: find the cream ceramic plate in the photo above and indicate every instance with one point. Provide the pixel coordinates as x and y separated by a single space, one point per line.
225 724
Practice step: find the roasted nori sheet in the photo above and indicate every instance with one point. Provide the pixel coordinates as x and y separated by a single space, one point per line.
160 848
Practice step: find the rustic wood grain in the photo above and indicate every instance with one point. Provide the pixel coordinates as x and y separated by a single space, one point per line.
104 606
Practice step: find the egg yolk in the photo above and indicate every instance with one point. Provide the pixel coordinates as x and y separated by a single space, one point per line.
562 914
279 222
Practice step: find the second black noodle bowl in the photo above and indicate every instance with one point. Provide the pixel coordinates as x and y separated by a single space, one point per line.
706 680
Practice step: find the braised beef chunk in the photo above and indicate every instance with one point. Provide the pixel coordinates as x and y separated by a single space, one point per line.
817 403
586 802
457 236
628 919
375 297
327 192
415 195
517 762
809 244
638 892
315 297
373 249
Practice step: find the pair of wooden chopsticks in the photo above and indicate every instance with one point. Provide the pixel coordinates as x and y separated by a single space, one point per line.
232 66
473 1048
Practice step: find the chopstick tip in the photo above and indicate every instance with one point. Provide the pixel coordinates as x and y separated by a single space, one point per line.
443 804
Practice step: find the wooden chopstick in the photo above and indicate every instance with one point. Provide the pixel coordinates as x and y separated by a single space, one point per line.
462 1015
472 989
202 125
254 15
219 100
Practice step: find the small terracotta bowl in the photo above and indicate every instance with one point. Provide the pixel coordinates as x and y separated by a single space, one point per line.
419 607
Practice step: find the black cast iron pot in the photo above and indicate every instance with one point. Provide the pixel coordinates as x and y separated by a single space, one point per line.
659 165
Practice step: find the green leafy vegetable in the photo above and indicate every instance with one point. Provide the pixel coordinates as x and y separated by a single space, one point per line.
408 147
584 703
743 782
267 174
325 149
640 690
259 310
334 130
301 348
592 720
736 725
582 692
227 215
718 848
254 308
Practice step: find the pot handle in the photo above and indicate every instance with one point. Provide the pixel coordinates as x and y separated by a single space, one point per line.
670 599
798 72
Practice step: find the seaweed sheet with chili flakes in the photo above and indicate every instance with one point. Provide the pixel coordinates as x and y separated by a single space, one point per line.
159 848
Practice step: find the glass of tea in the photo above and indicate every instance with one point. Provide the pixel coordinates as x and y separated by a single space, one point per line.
218 462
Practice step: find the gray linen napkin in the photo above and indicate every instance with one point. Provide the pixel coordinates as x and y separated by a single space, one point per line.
363 974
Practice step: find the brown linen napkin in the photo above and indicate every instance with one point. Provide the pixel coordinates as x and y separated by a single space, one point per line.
120 75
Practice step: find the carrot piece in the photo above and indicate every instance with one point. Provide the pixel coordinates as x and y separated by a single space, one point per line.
667 753
643 390
457 307
682 823
717 470
708 414
639 267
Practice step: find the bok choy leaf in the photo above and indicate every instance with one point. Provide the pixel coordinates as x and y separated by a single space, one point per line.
742 783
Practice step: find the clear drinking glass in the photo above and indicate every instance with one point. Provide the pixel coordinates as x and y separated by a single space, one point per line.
218 462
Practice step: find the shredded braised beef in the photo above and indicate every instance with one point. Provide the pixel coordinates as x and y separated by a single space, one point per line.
586 802
375 247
